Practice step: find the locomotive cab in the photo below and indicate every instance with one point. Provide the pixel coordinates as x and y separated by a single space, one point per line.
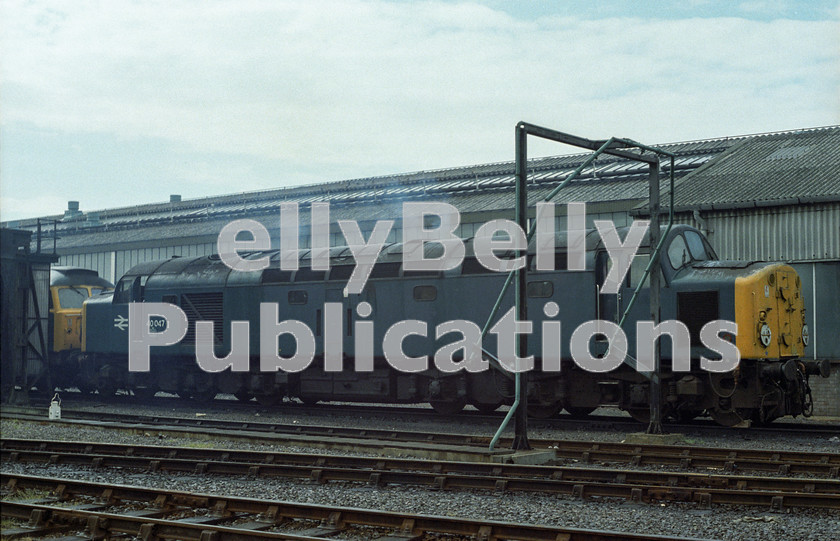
763 299
70 287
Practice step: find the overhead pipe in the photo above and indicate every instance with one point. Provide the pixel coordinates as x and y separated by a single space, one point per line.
610 146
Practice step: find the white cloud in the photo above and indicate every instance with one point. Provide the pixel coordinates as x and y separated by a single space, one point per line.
15 208
378 87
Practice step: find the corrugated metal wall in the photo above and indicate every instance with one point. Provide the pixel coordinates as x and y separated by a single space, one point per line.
792 233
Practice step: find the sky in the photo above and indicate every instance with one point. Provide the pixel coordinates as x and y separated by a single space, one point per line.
116 103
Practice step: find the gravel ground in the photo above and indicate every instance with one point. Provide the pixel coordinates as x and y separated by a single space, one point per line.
668 519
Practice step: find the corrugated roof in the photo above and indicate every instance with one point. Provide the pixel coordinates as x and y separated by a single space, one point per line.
768 170
783 163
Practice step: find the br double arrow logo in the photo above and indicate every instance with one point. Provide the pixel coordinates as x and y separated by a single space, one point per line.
121 322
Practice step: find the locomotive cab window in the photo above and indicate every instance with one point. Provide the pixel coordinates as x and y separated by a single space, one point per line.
72 297
678 254
130 289
696 246
122 291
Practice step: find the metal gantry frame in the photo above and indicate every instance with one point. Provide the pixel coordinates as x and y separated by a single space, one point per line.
616 147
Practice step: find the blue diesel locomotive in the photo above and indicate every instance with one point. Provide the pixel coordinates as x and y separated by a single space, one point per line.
764 299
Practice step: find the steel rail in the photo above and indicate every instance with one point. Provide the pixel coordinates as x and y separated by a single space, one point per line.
648 486
561 421
263 514
727 459
684 456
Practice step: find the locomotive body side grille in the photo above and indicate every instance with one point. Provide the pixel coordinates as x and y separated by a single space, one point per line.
695 309
203 307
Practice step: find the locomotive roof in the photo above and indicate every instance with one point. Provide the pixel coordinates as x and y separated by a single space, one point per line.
212 268
76 276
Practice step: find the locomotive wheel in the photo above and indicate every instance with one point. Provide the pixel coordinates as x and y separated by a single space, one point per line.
448 407
486 408
269 399
203 396
732 417
578 412
200 387
544 411
86 388
144 393
640 414
243 396
106 385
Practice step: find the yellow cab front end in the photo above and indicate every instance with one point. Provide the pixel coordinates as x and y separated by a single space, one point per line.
66 312
772 378
770 313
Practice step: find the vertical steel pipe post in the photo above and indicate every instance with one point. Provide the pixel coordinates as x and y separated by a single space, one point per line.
520 438
655 426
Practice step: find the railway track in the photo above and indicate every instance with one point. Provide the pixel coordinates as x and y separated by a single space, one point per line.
65 506
563 421
775 493
681 456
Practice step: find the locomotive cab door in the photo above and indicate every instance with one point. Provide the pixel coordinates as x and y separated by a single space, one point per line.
611 307
607 305
351 315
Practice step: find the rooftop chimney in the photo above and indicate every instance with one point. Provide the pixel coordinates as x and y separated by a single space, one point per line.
72 209
93 219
